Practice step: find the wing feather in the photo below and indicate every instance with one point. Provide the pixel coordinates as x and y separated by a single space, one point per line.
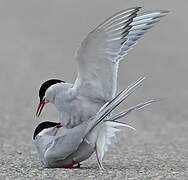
100 52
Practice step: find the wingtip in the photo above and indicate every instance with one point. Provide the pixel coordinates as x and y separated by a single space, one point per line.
165 11
157 100
137 9
134 9
141 78
134 129
153 101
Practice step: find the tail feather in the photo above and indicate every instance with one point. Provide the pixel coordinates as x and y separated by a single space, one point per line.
109 127
106 137
109 107
129 110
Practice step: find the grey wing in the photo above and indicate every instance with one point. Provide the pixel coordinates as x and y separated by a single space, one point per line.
140 25
104 47
65 144
97 69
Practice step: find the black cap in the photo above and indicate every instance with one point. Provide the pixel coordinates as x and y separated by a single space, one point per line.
44 125
46 85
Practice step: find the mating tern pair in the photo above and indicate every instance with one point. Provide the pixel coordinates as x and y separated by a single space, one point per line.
78 144
98 59
85 106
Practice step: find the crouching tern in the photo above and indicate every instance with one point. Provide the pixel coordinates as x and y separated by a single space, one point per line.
98 58
94 135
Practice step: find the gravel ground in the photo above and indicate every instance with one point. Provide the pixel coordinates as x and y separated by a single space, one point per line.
37 42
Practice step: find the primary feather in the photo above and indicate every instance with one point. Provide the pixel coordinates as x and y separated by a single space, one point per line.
100 52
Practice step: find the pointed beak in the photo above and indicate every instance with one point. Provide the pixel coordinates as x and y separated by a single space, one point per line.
40 107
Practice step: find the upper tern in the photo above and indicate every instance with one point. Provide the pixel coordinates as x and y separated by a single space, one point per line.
94 135
98 58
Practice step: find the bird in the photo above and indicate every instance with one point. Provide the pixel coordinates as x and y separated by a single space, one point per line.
98 59
77 144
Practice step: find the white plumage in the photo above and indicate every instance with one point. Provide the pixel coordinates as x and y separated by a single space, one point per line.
78 144
98 58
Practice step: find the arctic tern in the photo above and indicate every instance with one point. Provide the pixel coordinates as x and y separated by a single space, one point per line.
78 144
98 58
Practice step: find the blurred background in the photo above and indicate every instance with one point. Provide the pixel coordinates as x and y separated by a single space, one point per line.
38 40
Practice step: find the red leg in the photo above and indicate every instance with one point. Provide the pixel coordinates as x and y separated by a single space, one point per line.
71 166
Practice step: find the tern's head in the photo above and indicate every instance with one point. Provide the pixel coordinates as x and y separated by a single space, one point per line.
46 93
46 128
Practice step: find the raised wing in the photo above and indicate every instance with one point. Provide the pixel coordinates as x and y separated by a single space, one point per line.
104 47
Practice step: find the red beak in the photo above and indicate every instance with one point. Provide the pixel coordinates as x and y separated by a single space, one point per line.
40 107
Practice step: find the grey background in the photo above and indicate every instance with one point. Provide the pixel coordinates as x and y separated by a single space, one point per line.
38 40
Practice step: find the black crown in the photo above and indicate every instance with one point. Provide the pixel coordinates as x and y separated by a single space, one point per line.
46 85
